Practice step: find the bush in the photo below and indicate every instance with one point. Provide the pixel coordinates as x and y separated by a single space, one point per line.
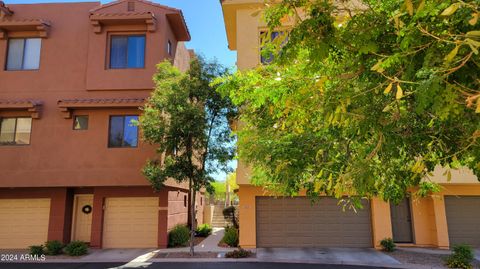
388 245
230 237
229 213
204 230
36 250
76 248
240 253
179 236
54 247
461 257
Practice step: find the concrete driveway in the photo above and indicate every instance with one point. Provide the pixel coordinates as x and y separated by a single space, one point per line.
357 256
477 254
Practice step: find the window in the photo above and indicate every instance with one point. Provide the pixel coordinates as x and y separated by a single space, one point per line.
15 131
127 51
24 53
169 48
269 41
123 133
184 201
80 123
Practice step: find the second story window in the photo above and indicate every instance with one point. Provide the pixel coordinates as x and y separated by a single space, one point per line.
269 42
80 123
169 48
15 131
122 132
24 54
127 51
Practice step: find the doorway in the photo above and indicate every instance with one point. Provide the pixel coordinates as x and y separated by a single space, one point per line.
401 217
82 217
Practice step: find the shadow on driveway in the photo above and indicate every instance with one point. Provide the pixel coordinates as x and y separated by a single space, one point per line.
362 256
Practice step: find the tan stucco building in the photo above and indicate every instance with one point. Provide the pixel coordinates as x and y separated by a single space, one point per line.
72 77
446 218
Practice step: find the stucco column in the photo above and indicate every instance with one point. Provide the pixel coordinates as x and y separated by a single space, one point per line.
60 215
440 221
248 229
381 221
163 219
97 219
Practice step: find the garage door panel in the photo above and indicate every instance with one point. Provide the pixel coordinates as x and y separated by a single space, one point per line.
300 223
23 222
131 222
463 219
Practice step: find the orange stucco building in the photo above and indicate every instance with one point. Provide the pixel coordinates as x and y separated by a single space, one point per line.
72 78
449 217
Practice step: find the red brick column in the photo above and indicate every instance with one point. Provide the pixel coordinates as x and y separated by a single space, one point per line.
163 219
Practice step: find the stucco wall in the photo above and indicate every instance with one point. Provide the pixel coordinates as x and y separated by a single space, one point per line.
73 66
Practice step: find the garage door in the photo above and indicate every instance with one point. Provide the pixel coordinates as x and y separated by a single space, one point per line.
23 222
295 222
463 219
130 222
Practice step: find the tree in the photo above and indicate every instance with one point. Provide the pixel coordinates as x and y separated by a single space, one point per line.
364 99
220 187
189 122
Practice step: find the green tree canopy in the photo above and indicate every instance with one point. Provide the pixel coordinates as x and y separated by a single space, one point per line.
188 120
363 99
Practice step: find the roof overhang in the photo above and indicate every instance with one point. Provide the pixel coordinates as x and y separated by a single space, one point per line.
40 26
68 105
230 8
99 20
32 106
177 21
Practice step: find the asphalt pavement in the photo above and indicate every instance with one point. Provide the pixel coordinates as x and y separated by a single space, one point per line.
178 265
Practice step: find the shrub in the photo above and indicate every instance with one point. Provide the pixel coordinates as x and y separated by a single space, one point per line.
76 248
461 257
388 245
204 230
240 253
179 236
36 250
230 237
53 247
229 213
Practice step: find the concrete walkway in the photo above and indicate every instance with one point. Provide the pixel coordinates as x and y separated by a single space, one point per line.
437 251
209 244
356 256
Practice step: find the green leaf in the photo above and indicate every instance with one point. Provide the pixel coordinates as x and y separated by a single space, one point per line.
378 67
452 54
474 19
477 110
451 9
409 6
399 94
473 33
388 89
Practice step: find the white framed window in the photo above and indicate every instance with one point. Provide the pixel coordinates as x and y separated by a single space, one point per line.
23 54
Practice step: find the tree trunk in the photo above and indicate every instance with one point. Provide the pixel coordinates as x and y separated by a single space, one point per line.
193 219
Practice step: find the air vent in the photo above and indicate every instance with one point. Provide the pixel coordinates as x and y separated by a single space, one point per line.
131 6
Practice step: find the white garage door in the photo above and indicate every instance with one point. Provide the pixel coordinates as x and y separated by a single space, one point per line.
295 222
131 222
23 222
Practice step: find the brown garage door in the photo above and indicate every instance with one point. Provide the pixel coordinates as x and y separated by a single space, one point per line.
295 222
463 219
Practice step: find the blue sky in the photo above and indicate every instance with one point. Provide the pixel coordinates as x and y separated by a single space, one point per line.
205 22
